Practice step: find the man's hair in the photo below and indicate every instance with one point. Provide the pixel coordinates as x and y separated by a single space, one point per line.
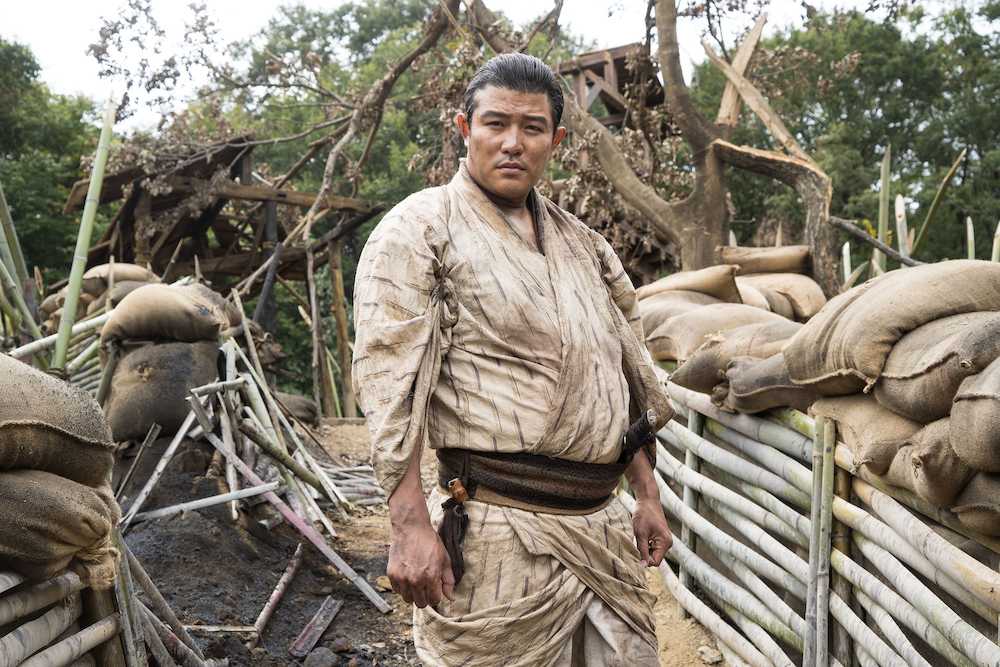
520 72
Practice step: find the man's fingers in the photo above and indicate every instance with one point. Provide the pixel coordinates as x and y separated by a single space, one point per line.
659 546
448 581
420 595
642 543
434 592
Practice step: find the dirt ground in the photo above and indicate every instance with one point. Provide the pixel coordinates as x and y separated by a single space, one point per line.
215 572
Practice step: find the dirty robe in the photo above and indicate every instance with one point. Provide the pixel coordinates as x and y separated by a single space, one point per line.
469 336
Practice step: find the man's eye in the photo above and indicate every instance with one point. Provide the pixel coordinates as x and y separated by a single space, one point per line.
534 128
493 123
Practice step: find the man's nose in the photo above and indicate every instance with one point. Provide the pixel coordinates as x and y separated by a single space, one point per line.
512 142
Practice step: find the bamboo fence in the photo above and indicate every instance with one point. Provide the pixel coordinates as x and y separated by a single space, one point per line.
784 570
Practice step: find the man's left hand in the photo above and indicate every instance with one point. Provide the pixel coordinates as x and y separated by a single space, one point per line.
652 534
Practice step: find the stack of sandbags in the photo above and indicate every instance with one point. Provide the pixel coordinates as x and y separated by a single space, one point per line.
170 336
50 310
776 276
677 338
56 456
93 292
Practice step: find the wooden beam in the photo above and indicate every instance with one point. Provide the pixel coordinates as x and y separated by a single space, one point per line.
232 190
607 92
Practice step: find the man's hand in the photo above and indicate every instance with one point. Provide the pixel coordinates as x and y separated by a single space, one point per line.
652 534
419 567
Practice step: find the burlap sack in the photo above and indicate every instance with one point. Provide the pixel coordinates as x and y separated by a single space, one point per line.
49 523
778 302
233 315
929 467
659 308
978 506
847 343
302 408
151 384
163 313
714 281
751 296
975 419
47 424
925 368
873 433
96 279
782 259
51 303
707 366
681 335
754 385
802 292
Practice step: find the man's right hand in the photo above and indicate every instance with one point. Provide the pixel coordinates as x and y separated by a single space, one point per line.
419 567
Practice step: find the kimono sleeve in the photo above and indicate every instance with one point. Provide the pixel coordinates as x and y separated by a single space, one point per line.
619 284
397 355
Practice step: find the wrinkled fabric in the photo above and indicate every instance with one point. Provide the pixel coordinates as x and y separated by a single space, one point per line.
533 583
470 337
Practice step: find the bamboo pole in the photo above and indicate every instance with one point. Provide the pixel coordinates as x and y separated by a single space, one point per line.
883 206
125 599
995 254
811 643
902 231
86 355
841 541
155 644
696 425
970 238
14 295
35 635
76 646
306 530
845 260
891 631
202 503
761 638
10 246
83 238
339 307
938 196
151 435
276 595
156 600
248 429
38 596
232 479
825 528
48 341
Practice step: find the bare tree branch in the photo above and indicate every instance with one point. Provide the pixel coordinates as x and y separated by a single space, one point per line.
729 107
552 18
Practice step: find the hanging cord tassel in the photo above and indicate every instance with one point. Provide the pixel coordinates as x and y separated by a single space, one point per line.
456 521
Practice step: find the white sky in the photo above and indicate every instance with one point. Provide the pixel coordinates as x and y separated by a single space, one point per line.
59 31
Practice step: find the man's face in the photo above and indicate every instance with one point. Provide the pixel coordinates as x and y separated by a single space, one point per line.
510 139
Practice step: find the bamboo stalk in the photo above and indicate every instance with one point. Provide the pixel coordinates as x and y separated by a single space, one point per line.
232 479
902 231
161 466
845 260
696 425
306 530
202 503
883 206
276 595
175 647
891 631
995 254
938 196
83 238
841 540
104 389
48 341
970 238
151 435
155 644
14 295
38 596
86 355
76 646
35 635
10 246
339 307
811 644
156 600
125 600
330 489
284 458
761 638
825 527
9 580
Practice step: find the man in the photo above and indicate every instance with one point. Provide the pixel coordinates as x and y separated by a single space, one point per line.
497 329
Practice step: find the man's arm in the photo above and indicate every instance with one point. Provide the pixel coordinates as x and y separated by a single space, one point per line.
652 534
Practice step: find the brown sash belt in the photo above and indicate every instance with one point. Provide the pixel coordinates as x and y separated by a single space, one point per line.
517 480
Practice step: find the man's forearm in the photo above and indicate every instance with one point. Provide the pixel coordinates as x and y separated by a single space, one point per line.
640 477
407 505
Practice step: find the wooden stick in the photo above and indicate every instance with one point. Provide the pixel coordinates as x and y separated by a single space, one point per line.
168 455
338 305
825 528
851 228
104 389
38 596
125 598
202 503
276 595
235 629
151 436
156 600
35 635
181 651
315 628
305 529
284 458
75 646
215 387
938 196
155 644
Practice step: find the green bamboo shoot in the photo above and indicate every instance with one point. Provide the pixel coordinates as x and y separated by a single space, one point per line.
83 238
945 182
883 206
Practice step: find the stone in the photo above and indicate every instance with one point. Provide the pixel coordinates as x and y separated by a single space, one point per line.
383 583
341 645
321 657
709 655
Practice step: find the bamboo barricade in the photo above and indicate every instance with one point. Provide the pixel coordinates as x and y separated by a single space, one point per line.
764 535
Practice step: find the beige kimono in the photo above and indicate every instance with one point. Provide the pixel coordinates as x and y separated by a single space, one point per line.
469 337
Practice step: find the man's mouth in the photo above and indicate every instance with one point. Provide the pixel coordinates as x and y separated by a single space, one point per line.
510 167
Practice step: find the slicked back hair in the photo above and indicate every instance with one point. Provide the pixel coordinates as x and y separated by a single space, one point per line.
520 72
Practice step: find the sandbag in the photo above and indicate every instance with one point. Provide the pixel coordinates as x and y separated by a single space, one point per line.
778 302
151 384
233 315
161 312
780 259
751 296
714 281
929 467
96 279
659 308
978 506
847 343
925 368
754 385
681 335
49 523
975 419
803 294
302 408
707 366
874 434
47 424
51 303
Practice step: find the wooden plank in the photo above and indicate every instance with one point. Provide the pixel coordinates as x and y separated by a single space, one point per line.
232 190
315 628
608 94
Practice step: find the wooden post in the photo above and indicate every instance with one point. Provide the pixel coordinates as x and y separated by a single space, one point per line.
339 306
267 308
696 424
842 648
825 530
322 388
809 652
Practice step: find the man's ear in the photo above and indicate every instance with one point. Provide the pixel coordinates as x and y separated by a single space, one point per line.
462 123
559 135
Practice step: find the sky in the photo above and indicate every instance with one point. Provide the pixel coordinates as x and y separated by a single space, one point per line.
59 31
